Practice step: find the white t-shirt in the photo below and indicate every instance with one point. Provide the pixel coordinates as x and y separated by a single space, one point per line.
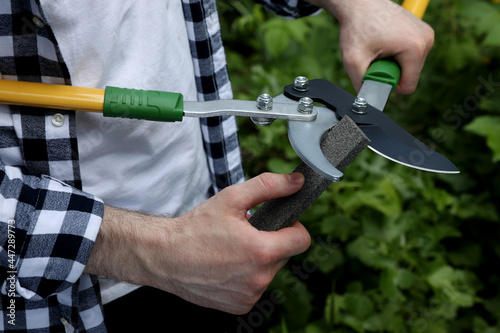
134 164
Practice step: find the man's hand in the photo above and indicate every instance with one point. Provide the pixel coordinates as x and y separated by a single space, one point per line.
374 29
211 256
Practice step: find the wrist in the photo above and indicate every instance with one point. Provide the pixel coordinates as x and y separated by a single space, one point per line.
340 9
349 11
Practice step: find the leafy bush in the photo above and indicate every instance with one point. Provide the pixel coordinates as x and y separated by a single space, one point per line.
394 249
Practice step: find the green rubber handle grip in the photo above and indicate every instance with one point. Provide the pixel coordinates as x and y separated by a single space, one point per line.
143 104
385 71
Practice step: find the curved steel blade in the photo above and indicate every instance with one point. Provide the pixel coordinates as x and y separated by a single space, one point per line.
305 138
411 153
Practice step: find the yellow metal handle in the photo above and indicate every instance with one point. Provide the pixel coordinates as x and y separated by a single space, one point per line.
416 7
51 96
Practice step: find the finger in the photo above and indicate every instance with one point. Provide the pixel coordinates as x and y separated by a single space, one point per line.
288 242
356 65
263 188
412 60
411 66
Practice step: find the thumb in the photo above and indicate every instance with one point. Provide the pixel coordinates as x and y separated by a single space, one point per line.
265 187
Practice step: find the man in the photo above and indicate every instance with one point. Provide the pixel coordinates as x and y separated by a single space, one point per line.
133 201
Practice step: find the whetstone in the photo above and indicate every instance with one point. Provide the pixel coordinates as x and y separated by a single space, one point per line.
341 145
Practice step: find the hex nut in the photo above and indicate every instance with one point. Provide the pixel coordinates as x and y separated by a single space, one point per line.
265 102
301 83
306 105
359 106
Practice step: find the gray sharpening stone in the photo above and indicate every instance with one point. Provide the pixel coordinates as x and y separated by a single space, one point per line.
340 146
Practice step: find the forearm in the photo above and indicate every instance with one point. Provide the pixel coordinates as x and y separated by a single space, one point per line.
336 7
290 8
122 244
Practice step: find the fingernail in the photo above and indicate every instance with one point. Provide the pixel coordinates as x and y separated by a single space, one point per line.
296 178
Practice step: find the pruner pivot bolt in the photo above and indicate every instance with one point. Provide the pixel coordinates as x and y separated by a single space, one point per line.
264 102
359 106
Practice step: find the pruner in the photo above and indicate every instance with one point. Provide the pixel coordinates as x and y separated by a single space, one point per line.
307 123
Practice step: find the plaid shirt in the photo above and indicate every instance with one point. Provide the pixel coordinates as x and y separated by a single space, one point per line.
47 224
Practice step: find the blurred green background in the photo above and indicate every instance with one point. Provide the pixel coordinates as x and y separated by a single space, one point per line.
394 249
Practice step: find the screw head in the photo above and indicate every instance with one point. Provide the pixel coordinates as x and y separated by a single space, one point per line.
265 102
305 105
301 83
359 106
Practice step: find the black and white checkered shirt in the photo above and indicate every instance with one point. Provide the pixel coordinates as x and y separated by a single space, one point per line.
47 224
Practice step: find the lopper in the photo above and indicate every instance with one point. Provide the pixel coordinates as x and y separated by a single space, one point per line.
307 123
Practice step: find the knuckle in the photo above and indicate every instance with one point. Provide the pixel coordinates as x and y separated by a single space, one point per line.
430 36
257 285
264 256
253 290
229 196
351 58
424 42
428 31
261 282
419 46
242 310
267 181
305 241
244 305
226 193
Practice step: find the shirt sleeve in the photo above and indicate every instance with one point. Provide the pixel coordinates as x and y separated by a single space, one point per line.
47 231
290 8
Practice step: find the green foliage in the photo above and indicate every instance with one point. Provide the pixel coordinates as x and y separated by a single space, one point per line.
489 127
393 249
